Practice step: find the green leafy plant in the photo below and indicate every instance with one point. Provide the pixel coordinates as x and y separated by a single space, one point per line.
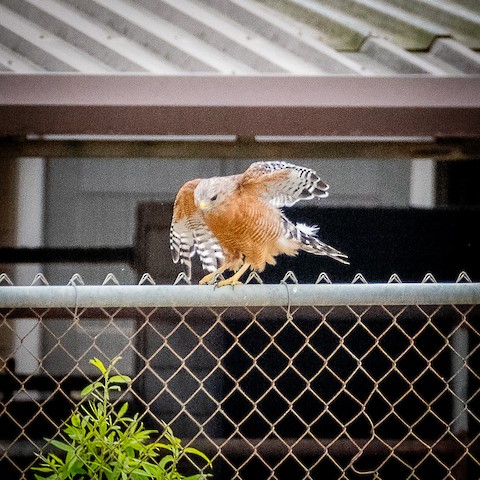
99 442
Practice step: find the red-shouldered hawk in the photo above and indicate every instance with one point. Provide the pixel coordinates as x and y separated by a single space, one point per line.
236 222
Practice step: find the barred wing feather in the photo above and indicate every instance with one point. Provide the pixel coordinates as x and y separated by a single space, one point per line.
189 235
284 184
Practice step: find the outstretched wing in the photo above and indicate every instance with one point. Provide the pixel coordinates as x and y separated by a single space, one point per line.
282 183
189 235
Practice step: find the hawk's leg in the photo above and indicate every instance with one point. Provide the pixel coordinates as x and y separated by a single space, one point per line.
210 277
234 279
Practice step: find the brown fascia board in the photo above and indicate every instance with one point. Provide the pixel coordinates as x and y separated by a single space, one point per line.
244 106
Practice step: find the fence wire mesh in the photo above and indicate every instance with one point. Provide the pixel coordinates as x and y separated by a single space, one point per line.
297 392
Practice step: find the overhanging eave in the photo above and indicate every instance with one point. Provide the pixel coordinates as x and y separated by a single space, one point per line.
247 106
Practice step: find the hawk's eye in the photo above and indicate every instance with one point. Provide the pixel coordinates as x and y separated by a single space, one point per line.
214 198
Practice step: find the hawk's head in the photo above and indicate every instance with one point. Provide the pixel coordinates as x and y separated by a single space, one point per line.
210 193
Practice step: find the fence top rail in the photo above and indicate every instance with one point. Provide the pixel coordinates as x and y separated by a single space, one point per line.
124 296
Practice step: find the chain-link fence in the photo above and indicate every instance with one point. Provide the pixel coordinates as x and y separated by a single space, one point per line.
271 381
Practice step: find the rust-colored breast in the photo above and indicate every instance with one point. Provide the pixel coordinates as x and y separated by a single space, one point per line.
247 228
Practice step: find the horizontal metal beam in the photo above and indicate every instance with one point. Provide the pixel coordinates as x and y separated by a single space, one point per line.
238 296
244 106
445 149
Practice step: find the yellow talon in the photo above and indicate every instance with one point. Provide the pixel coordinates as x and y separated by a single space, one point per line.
207 279
233 280
210 277
228 281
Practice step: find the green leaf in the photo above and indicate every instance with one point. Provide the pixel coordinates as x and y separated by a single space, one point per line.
152 469
38 477
42 469
98 363
62 445
123 410
165 446
143 473
75 420
200 454
120 379
165 461
89 388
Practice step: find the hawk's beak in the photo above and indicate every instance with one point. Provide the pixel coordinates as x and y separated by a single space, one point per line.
202 205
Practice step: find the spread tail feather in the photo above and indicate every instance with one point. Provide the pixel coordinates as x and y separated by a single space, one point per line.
306 236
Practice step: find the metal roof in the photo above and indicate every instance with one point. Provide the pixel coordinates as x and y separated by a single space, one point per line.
241 37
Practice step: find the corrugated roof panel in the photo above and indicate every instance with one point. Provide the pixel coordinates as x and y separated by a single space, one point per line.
218 31
164 38
226 35
473 5
346 24
396 24
461 23
307 37
96 39
13 62
338 29
396 59
457 55
295 37
42 47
